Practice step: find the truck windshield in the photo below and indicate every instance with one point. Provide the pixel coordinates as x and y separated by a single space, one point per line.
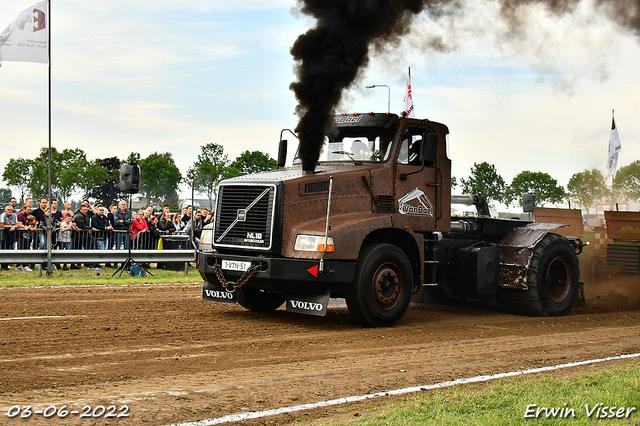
361 144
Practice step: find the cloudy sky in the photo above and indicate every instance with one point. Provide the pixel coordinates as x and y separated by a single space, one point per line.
162 75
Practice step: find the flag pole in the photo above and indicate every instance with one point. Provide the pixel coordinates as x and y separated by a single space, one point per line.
50 221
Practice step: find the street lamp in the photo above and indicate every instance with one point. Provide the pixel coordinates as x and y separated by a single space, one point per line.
372 86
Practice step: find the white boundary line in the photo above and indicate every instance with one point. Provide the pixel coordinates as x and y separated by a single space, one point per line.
41 317
348 399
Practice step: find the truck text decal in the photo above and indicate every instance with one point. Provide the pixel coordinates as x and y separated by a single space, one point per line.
347 120
219 294
311 306
415 203
254 237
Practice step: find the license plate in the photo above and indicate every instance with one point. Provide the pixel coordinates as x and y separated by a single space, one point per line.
234 265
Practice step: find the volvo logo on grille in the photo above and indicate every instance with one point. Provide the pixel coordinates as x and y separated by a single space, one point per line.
241 216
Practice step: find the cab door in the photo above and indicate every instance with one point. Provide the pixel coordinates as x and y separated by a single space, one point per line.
415 182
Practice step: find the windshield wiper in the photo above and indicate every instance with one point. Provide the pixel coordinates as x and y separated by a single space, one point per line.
350 154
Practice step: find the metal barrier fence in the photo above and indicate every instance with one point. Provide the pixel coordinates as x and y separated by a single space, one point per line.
86 246
79 240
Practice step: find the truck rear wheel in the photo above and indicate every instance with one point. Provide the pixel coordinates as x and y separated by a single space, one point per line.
381 290
552 278
259 300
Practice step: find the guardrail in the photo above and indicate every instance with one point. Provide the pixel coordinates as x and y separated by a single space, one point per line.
95 247
96 256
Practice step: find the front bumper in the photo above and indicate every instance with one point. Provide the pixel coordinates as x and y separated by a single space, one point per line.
282 274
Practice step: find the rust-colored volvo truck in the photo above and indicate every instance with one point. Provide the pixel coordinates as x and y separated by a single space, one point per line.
372 224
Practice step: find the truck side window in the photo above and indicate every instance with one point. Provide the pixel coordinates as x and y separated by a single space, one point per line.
410 151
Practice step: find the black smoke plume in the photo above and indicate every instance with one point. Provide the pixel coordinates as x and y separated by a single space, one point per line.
330 56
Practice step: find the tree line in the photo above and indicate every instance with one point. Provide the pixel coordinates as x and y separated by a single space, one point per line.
73 173
99 179
585 189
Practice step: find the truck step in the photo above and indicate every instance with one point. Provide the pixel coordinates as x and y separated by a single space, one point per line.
429 284
434 262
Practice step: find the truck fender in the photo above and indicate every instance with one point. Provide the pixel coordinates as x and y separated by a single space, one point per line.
351 232
347 230
516 249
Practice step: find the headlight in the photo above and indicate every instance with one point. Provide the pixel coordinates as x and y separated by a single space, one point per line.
313 243
206 237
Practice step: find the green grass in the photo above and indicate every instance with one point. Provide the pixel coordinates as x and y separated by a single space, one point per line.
13 278
504 402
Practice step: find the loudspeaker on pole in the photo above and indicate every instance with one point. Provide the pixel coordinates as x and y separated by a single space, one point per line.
129 178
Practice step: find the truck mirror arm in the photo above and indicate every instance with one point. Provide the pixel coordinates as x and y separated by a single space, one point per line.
405 175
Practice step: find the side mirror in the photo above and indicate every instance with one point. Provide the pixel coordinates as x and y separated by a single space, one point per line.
429 148
282 153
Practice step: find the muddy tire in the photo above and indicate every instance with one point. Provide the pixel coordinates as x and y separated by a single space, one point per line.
553 281
381 290
259 300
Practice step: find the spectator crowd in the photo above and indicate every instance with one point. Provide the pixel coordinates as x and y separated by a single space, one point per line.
93 227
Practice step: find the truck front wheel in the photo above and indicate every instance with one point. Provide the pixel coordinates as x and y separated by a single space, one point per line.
381 291
552 278
259 300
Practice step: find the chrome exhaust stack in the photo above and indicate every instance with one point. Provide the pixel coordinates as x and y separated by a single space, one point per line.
462 226
473 200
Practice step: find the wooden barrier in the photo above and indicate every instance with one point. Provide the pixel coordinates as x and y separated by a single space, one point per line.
623 226
570 217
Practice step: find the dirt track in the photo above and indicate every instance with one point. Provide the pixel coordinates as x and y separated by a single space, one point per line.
170 357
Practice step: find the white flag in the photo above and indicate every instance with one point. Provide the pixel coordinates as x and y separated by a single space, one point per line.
408 99
614 148
26 39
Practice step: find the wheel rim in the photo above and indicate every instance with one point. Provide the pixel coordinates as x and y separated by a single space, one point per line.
387 286
558 279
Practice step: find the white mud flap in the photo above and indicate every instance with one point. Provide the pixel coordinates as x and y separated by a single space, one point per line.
217 293
310 304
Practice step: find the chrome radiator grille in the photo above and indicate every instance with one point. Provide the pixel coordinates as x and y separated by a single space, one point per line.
244 216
